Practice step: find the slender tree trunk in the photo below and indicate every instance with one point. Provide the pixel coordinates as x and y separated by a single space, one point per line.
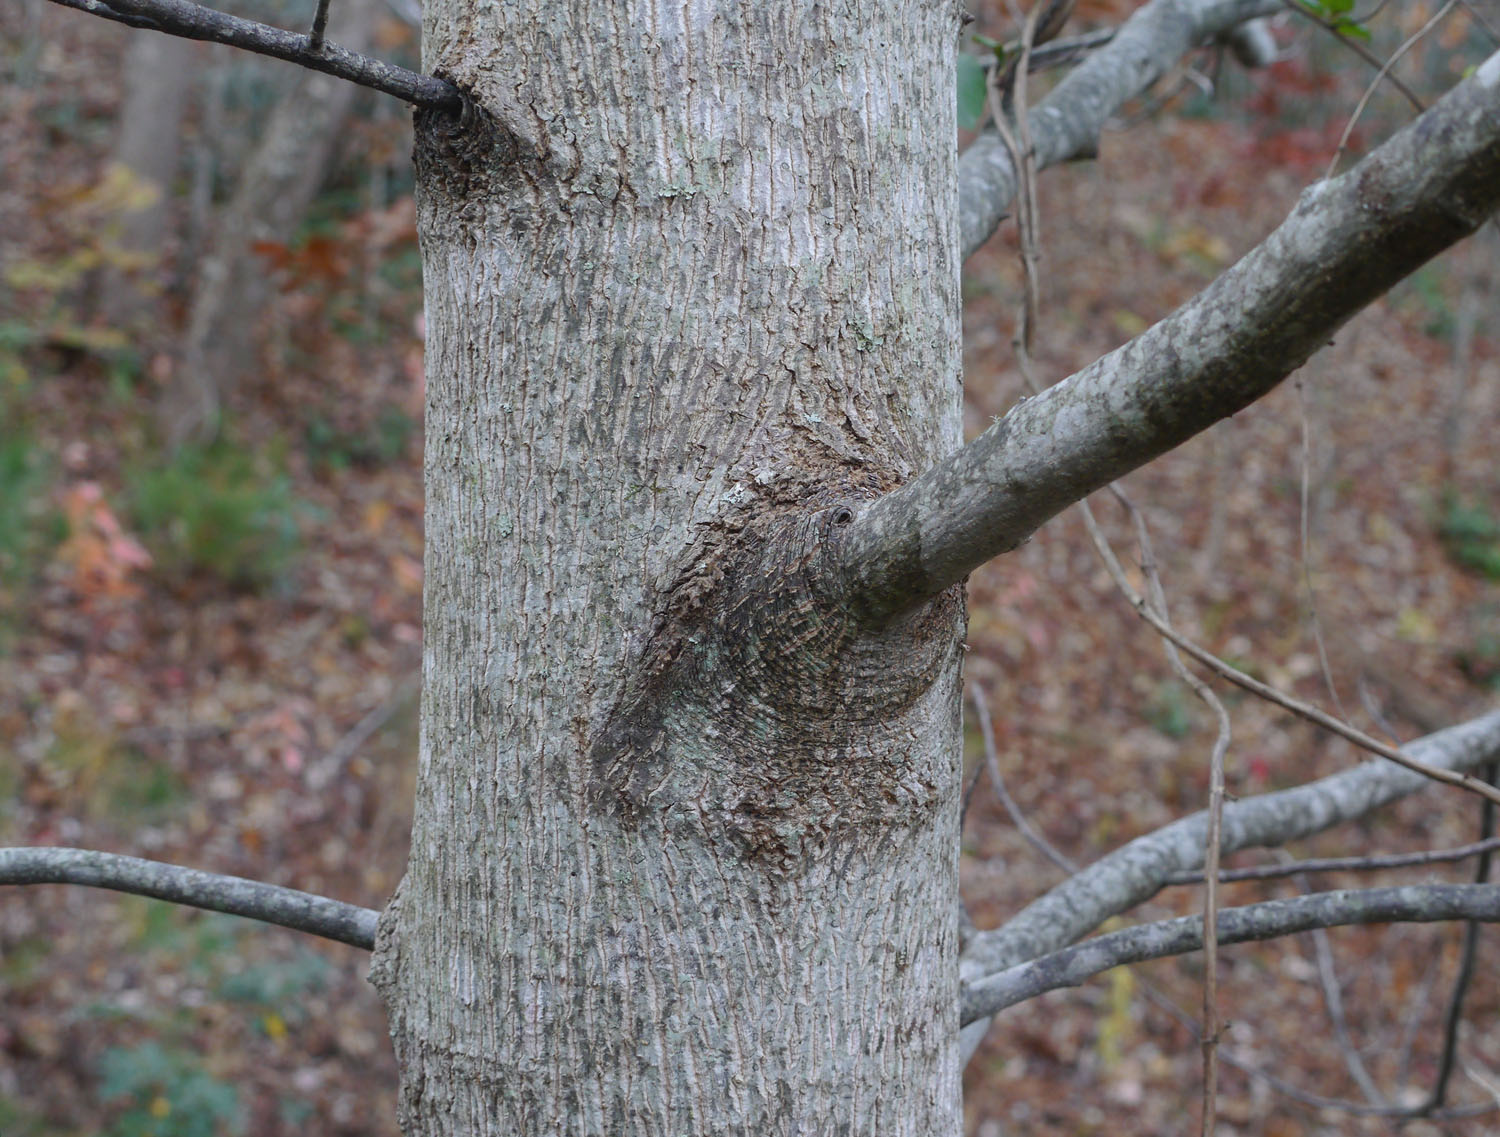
158 76
684 859
276 189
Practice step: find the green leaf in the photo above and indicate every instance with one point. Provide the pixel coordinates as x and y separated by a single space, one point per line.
972 92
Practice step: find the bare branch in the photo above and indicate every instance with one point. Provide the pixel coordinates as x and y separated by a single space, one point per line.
991 762
319 26
1455 1009
1332 27
1136 871
1416 903
192 21
1345 243
1067 123
1345 864
300 911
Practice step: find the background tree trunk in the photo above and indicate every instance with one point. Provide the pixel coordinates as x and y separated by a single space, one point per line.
159 75
279 183
684 858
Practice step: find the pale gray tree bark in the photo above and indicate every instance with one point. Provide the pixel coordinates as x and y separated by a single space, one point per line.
685 851
684 858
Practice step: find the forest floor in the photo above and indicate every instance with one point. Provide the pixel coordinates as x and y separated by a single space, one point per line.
212 659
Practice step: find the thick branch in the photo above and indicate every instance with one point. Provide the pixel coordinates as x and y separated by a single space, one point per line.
1417 903
1067 123
1345 243
192 21
1136 871
301 911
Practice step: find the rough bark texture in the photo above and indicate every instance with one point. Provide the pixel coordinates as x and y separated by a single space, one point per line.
684 858
1269 920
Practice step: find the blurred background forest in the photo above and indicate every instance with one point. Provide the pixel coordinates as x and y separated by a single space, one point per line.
211 574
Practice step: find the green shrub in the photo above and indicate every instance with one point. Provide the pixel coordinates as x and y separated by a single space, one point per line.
1169 711
29 526
166 1094
220 511
379 443
1471 535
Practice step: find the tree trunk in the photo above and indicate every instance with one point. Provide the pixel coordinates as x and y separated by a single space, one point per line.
159 74
685 852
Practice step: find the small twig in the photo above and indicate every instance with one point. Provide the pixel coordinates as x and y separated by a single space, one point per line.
1343 864
347 746
270 903
1478 17
1359 49
1153 103
1280 698
1454 1013
974 780
1385 68
1213 837
1416 1010
1295 1092
980 700
192 21
1333 1001
1305 536
1374 710
1054 54
1311 713
319 26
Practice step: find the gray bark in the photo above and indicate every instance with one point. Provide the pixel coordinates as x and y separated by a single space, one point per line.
1269 920
684 853
684 857
271 903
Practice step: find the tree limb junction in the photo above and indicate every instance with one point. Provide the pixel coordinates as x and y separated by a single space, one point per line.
1345 243
1067 123
193 21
